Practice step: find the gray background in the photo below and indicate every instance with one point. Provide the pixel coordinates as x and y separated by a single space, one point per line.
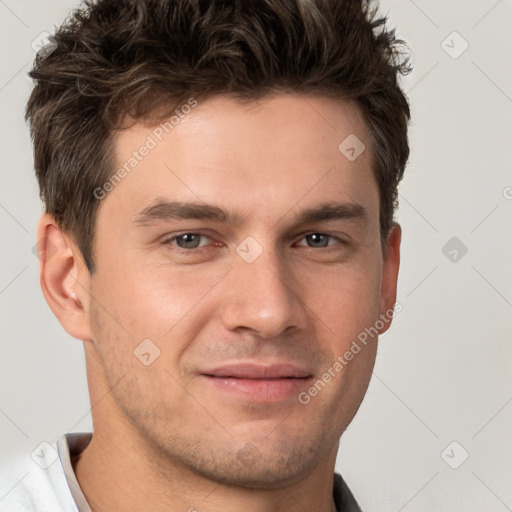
444 370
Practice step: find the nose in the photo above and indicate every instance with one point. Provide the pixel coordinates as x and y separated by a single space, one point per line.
263 297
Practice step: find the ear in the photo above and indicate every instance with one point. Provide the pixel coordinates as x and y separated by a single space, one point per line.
390 268
64 278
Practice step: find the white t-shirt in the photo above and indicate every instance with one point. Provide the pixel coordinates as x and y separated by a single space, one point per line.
45 481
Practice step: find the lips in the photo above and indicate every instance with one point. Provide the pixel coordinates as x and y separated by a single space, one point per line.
252 371
258 383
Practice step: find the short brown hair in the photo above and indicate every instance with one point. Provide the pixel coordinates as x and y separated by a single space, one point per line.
119 58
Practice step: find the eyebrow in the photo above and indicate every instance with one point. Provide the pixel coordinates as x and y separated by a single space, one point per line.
163 210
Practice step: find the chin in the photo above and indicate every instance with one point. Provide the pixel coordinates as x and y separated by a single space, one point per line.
269 464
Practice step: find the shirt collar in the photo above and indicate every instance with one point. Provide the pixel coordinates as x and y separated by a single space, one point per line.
69 447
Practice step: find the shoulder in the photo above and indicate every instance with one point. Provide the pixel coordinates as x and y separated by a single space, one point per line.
35 483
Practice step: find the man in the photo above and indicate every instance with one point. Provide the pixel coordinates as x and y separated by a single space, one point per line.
219 181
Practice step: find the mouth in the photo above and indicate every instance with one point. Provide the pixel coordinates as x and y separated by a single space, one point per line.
260 383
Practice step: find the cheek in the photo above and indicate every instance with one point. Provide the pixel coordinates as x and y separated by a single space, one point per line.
346 299
150 301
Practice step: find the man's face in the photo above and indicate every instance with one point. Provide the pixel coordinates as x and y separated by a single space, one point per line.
246 313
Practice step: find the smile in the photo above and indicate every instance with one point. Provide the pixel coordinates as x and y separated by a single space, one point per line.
259 383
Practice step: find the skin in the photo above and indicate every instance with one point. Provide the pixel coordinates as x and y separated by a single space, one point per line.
166 438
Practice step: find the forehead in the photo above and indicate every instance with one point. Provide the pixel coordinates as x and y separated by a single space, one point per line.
262 157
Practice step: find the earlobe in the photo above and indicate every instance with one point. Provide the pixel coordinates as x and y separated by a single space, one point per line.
391 265
63 277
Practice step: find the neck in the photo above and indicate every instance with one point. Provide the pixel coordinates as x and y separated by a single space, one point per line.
120 473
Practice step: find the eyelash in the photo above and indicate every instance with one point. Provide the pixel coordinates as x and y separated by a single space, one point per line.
169 241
